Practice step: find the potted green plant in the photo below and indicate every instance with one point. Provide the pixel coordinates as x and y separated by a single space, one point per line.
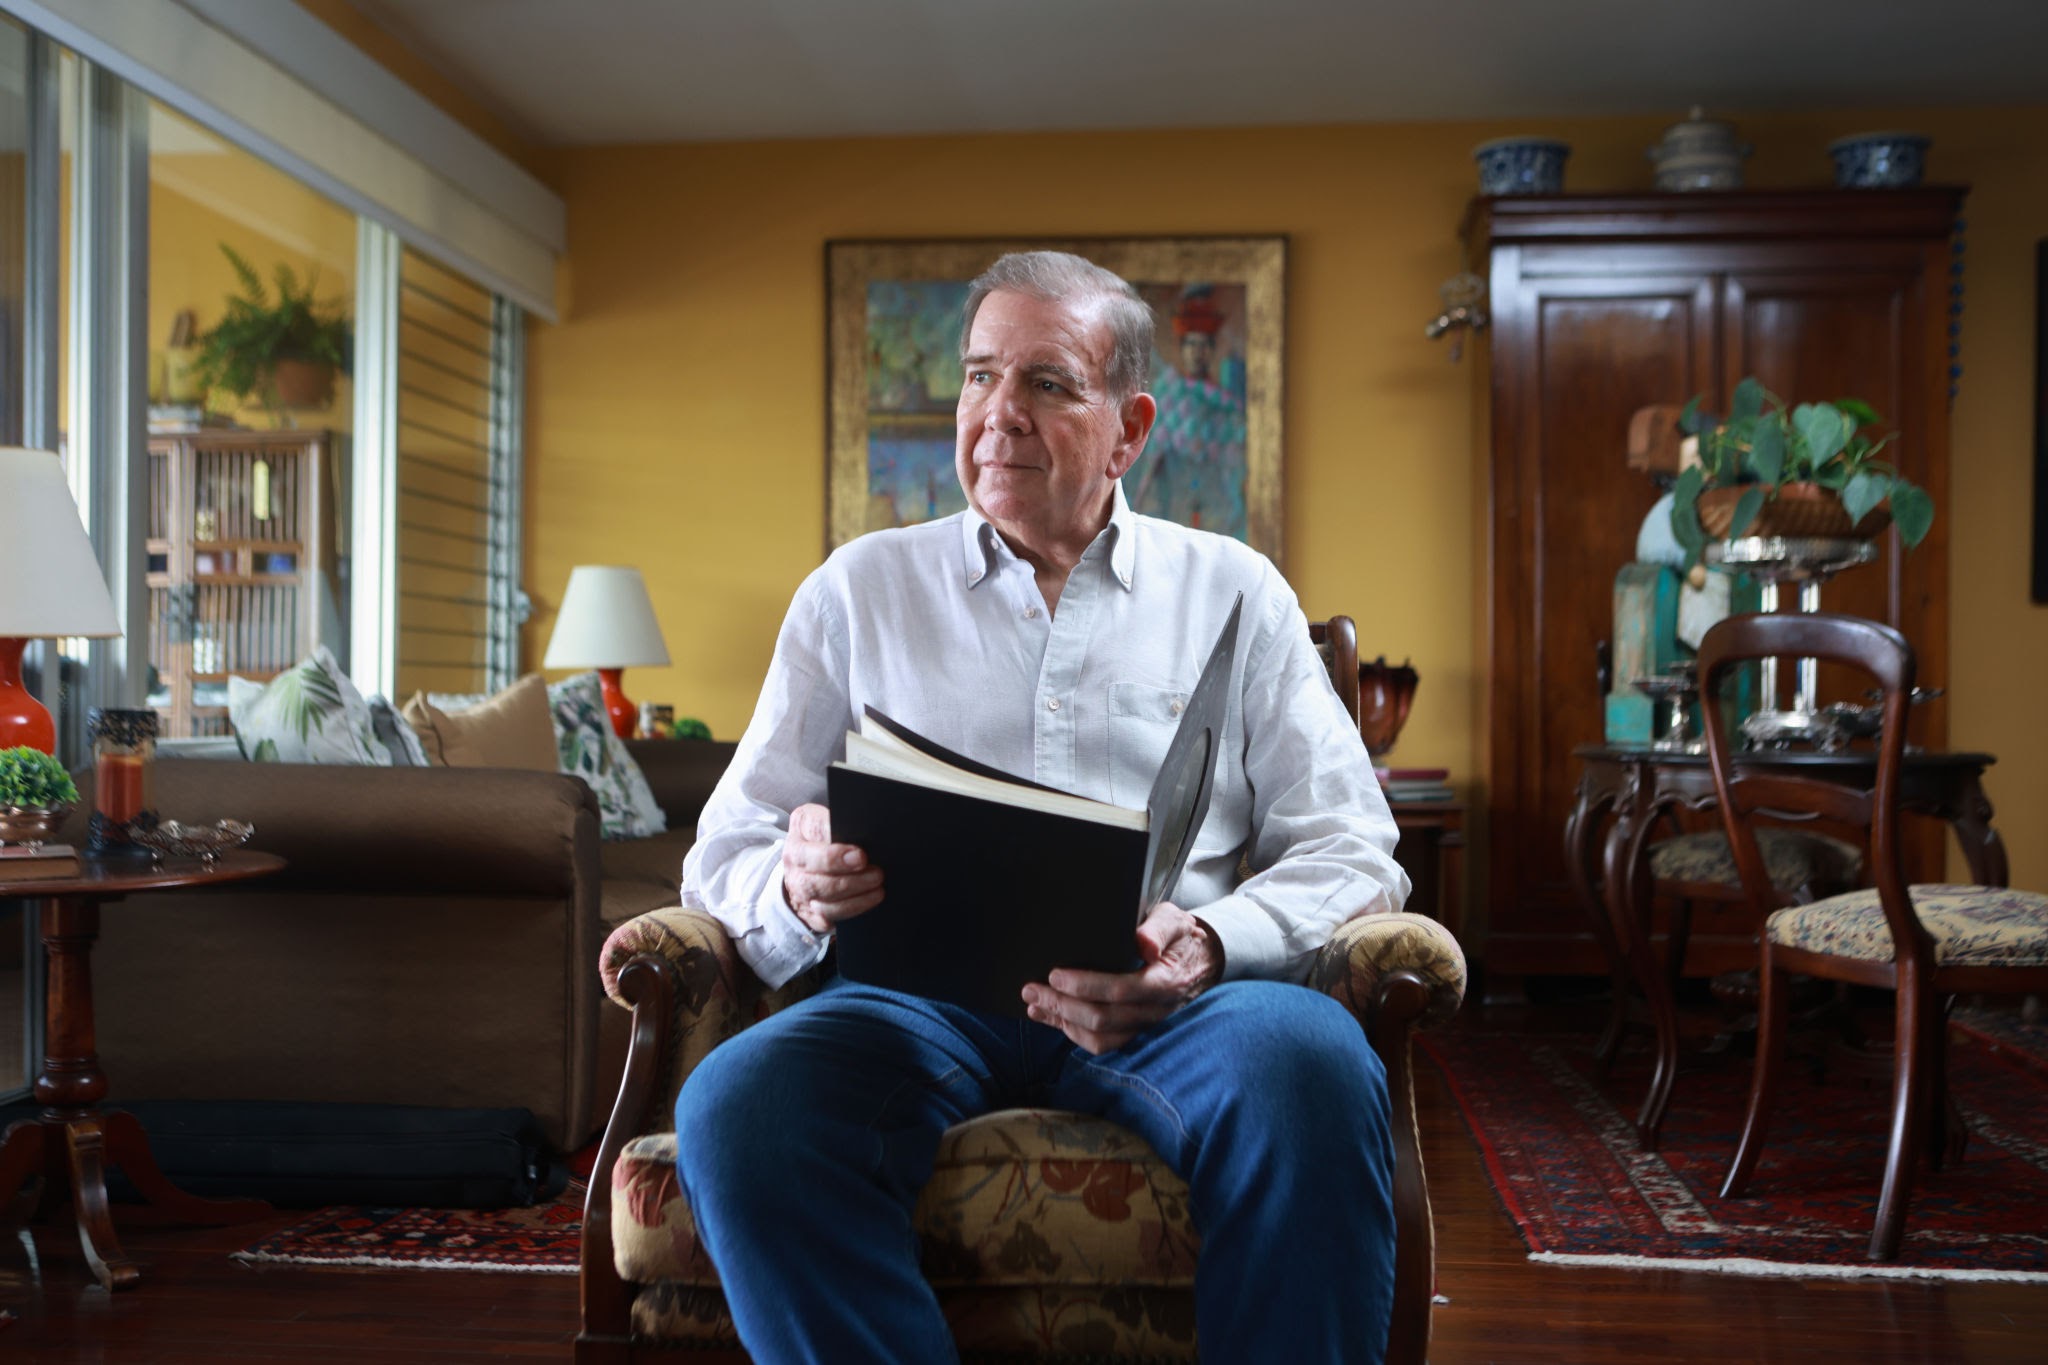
283 347
1769 468
35 795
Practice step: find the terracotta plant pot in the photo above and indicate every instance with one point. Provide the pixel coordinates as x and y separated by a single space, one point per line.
302 383
1385 692
1800 509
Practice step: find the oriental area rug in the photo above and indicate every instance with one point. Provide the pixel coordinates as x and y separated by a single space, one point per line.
1559 1145
541 1239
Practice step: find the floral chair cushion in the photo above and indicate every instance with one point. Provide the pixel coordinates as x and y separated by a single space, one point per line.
1793 857
1982 926
1080 1241
1049 1324
1051 1197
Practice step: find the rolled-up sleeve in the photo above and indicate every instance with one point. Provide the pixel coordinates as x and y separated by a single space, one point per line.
734 870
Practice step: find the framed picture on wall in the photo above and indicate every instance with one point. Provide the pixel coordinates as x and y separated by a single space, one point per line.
893 314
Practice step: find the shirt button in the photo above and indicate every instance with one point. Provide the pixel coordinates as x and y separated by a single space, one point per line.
1052 703
1031 613
1175 707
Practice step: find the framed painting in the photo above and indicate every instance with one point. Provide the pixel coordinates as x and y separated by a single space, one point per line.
893 314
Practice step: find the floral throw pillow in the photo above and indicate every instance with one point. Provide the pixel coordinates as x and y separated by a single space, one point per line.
590 750
310 713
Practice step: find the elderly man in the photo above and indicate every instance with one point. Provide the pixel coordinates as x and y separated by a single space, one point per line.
1047 631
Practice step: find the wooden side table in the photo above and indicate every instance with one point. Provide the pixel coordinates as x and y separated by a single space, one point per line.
1432 853
73 1141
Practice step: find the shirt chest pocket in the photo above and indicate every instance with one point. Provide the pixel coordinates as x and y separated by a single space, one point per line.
1142 719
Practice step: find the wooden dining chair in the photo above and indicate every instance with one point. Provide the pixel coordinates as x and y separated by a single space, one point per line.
1924 943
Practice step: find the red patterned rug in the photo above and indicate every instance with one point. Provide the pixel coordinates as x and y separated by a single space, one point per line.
541 1239
1560 1147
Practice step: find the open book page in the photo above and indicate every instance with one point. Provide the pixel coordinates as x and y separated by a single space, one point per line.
875 750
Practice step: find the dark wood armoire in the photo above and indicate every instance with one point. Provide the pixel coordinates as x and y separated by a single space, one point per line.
1605 304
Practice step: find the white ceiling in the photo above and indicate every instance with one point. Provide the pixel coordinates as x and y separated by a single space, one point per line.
594 72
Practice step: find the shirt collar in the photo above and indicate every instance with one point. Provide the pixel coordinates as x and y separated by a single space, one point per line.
1123 548
979 542
977 547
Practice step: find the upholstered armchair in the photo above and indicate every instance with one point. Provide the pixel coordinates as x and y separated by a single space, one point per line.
1049 1236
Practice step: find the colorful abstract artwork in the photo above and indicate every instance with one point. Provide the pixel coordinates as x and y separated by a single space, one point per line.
1213 461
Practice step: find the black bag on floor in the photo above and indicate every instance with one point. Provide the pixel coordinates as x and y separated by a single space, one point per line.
314 1155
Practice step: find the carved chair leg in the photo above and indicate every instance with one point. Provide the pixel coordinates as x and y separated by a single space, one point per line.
1771 1007
1912 1044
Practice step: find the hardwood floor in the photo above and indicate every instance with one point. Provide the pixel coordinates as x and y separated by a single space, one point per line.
196 1307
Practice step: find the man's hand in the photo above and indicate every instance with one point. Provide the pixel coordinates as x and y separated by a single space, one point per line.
1103 1010
824 882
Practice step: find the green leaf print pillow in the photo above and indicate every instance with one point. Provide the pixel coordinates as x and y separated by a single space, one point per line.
310 713
590 750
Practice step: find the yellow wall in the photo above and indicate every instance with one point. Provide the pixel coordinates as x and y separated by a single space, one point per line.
676 417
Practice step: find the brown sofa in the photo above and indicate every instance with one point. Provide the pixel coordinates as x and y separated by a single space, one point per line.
434 940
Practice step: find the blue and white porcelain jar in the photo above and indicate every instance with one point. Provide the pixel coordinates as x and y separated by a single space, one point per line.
1866 161
1521 165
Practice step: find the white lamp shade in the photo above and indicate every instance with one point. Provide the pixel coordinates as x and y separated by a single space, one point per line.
50 583
606 621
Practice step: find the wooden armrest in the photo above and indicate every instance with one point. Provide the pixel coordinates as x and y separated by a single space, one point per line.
679 973
1365 956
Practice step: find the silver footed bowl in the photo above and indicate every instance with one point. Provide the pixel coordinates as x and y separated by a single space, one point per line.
204 842
32 825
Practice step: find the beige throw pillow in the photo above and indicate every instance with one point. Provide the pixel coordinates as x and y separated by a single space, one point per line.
514 729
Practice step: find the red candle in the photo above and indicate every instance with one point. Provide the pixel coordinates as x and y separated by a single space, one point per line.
117 790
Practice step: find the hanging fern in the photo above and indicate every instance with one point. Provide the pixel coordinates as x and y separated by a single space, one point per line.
237 354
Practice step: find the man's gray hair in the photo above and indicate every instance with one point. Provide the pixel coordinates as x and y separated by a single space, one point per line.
1061 277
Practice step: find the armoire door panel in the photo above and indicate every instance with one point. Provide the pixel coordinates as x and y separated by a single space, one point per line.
1608 346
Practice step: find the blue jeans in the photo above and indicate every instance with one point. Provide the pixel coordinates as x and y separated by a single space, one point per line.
804 1142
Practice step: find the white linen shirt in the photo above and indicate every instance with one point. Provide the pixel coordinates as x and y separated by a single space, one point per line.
941 626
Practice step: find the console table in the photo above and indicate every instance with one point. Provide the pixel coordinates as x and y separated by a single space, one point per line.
73 1141
1610 875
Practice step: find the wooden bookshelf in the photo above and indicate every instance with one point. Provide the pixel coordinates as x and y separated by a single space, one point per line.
241 546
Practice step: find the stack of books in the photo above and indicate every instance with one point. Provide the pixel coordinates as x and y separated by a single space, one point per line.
21 863
1416 784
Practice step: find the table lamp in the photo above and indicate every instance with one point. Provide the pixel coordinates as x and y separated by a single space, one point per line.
607 623
50 584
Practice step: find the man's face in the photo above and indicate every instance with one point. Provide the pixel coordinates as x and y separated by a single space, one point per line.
1197 354
1040 440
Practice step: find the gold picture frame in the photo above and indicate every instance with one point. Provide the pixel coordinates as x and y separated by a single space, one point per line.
893 374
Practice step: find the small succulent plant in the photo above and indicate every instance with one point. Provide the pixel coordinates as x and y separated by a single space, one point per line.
33 780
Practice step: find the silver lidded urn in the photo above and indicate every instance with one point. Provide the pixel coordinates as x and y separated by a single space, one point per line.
1699 154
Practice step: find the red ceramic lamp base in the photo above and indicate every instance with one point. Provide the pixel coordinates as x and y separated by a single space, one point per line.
23 719
624 716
